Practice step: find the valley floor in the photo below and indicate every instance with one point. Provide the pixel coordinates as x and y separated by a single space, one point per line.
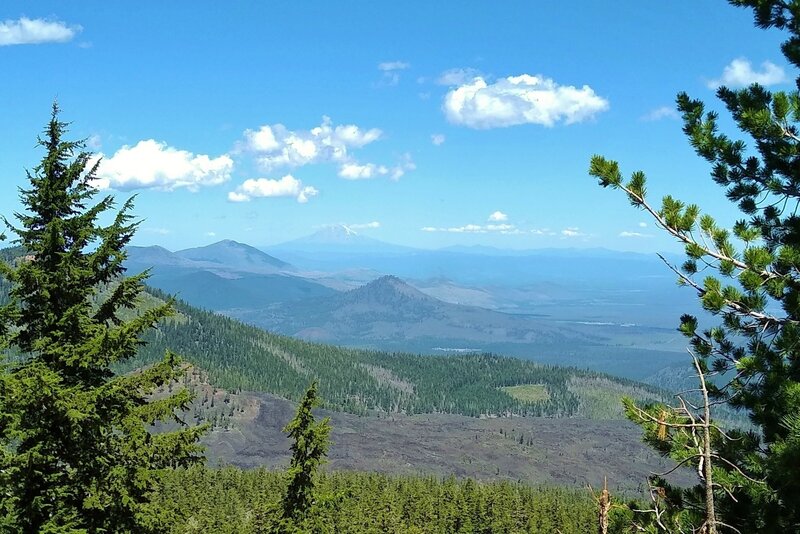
573 452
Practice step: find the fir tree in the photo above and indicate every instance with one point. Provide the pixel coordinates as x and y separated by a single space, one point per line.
311 440
755 293
78 449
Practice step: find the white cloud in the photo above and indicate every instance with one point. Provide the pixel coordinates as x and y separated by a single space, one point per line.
35 31
438 139
353 136
152 164
363 226
523 99
740 73
355 171
211 234
633 234
642 225
306 193
664 112
572 231
498 216
288 186
542 231
276 146
499 227
507 229
454 77
262 140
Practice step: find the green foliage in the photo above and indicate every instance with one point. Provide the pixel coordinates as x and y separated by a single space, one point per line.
527 392
231 501
755 294
241 357
311 440
77 450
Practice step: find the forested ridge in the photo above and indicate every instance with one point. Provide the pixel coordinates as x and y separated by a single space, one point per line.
231 501
236 357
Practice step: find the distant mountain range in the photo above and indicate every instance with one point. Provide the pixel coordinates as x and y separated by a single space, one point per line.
390 309
223 256
229 357
235 256
590 308
224 275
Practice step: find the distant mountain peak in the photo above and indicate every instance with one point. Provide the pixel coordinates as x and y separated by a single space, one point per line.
234 255
388 289
337 232
228 243
390 280
343 228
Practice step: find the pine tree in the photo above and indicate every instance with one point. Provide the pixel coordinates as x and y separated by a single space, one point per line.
755 293
311 440
78 449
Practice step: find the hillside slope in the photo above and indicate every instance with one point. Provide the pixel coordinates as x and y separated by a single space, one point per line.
238 357
389 309
247 432
235 256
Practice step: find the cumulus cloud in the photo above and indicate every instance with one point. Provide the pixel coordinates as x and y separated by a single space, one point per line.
642 224
523 99
306 193
277 146
664 112
152 164
740 73
633 234
498 216
35 31
262 140
438 139
356 171
288 186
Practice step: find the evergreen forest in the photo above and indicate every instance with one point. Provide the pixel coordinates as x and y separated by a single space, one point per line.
102 429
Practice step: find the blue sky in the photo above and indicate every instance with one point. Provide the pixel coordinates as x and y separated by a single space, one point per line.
420 123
